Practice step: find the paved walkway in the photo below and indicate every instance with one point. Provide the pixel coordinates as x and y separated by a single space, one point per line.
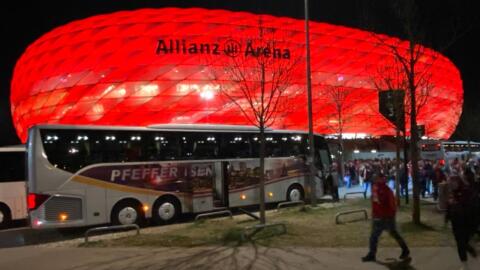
247 257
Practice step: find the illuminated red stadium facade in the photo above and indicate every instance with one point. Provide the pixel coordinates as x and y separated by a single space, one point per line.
140 68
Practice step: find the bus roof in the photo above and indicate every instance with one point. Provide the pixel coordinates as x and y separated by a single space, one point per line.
13 148
459 142
176 127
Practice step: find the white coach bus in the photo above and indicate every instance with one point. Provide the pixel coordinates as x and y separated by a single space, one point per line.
86 175
449 150
13 204
461 150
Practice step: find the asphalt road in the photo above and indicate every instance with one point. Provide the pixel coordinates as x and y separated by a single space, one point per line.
22 236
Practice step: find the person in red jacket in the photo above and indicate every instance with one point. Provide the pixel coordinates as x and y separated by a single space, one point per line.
383 218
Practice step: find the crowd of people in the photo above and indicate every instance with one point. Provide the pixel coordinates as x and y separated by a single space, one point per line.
460 181
431 173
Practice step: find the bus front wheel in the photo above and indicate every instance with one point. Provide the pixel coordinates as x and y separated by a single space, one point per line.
165 210
5 217
126 213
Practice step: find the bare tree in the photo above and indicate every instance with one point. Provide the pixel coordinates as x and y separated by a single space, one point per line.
340 98
416 97
390 77
409 60
415 63
258 79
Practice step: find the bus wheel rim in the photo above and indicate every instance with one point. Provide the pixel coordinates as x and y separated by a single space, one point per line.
295 195
2 217
166 211
127 215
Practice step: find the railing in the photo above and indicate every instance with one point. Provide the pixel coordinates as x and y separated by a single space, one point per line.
111 228
252 215
216 213
338 215
357 192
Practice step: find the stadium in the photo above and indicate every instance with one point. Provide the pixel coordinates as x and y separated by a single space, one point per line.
155 66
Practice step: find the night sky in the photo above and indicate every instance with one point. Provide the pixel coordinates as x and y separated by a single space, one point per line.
23 22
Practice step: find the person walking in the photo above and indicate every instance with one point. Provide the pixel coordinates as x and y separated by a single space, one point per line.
383 218
438 177
367 177
460 212
403 182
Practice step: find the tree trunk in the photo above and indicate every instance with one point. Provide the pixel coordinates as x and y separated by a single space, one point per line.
405 165
313 171
414 136
416 183
261 183
397 168
341 167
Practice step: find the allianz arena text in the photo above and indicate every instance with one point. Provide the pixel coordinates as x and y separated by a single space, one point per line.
155 66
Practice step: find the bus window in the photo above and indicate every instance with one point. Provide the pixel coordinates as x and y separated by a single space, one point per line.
292 144
133 147
272 145
68 150
255 141
125 146
200 145
280 145
111 145
236 146
162 146
13 166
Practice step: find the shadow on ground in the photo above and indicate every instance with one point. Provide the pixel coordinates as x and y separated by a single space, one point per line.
247 255
394 264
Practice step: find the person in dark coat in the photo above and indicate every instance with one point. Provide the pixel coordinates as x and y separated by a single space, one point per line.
427 178
438 177
367 177
459 213
474 191
383 218
403 181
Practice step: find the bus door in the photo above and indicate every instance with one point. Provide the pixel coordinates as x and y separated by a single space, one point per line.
322 163
220 185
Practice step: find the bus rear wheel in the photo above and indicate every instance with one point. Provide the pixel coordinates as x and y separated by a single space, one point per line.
126 213
5 217
295 193
165 210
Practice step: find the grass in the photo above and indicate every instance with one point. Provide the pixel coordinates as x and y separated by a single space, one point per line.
305 227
